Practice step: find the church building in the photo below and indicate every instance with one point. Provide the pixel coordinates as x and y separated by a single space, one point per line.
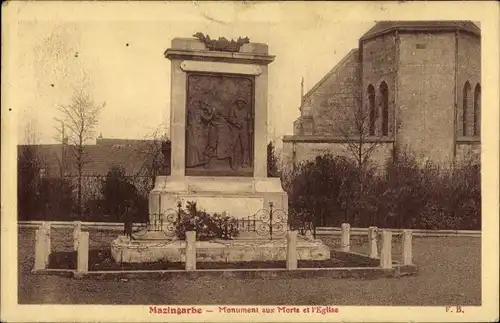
410 86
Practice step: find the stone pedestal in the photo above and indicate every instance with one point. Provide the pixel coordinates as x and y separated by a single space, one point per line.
218 74
207 140
218 129
238 197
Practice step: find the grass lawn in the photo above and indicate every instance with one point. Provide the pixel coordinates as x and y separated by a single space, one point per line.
450 273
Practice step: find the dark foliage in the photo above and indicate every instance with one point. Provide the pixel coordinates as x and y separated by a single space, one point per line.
322 188
272 161
28 166
56 199
40 197
333 190
430 197
118 193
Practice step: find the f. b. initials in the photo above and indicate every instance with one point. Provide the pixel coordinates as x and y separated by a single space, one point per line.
454 309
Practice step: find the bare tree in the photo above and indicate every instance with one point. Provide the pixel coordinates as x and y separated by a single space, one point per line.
357 140
76 126
31 134
155 155
360 142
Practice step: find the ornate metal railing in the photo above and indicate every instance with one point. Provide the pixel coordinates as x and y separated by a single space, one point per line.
166 220
272 222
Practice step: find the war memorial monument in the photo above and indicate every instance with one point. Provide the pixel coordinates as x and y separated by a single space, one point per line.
218 129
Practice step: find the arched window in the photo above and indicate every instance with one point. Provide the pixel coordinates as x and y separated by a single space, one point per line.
371 108
477 111
384 96
465 112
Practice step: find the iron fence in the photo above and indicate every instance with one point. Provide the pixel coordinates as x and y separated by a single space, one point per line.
272 222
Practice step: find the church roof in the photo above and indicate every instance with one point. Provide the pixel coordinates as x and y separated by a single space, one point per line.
383 27
331 72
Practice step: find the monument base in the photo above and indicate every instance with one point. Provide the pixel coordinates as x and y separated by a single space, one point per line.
124 250
238 197
243 198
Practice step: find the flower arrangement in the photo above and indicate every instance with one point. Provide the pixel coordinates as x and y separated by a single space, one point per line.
207 226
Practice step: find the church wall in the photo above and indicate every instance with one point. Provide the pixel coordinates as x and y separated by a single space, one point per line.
426 80
308 150
379 65
469 69
468 151
425 74
297 126
334 100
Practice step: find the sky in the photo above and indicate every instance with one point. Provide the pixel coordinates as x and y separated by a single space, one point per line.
115 51
120 60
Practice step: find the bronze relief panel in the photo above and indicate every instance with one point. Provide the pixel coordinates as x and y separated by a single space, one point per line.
219 125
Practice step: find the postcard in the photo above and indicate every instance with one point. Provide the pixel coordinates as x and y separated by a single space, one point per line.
250 161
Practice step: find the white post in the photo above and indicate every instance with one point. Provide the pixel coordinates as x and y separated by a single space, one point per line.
345 239
291 250
372 242
40 249
82 265
77 229
386 252
407 246
190 250
46 227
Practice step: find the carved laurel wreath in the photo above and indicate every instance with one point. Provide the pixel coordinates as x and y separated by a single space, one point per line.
222 44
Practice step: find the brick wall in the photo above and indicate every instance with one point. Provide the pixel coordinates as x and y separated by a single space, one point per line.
426 79
380 65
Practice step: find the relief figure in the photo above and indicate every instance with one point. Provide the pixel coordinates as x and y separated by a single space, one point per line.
198 129
219 123
240 121
219 145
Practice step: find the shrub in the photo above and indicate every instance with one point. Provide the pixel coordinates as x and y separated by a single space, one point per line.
409 194
405 190
95 210
56 199
207 226
428 196
118 192
272 161
41 197
323 187
28 182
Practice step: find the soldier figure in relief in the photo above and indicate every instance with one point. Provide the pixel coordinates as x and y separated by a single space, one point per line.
240 120
197 133
219 137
